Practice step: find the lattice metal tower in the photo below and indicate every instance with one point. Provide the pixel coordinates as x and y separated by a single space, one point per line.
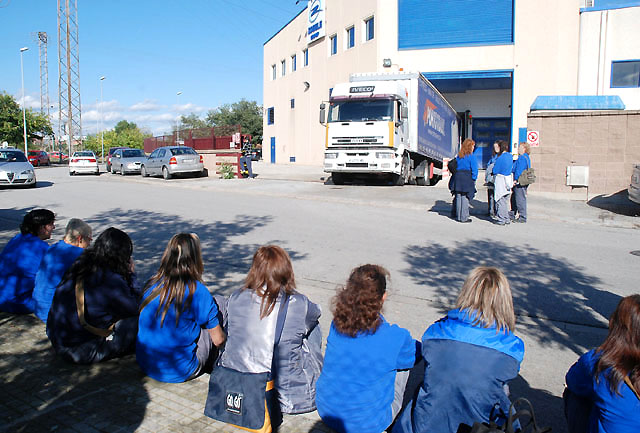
44 74
70 113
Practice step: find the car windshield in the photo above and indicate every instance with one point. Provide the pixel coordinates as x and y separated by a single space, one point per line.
182 151
361 110
12 156
86 153
132 153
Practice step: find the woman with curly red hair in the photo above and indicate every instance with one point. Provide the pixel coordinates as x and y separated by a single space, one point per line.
360 388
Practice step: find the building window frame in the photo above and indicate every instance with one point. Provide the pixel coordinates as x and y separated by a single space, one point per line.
273 72
305 56
293 103
271 119
614 81
368 28
349 37
283 67
294 63
333 44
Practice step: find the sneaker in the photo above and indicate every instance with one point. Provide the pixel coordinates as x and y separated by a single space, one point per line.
467 221
502 223
520 220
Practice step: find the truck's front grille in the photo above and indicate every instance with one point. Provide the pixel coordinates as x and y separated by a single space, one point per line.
357 164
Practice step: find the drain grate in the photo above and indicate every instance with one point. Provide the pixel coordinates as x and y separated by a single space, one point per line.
635 253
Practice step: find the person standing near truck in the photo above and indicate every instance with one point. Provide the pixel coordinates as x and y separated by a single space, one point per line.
503 183
463 182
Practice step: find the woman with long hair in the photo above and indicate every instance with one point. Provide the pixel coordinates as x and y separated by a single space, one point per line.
608 377
490 179
361 388
250 318
503 183
94 313
463 181
456 387
20 259
519 197
179 323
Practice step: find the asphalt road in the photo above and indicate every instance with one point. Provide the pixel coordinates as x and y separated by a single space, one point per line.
567 271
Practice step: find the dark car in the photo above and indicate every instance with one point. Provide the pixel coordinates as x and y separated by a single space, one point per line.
38 158
110 154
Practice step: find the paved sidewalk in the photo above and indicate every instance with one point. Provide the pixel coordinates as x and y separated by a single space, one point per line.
41 393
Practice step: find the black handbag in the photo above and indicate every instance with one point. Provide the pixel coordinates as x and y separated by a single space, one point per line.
531 426
246 400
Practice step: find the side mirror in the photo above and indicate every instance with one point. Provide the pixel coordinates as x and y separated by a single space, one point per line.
322 113
404 112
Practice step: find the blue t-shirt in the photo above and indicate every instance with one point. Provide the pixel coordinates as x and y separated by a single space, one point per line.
468 163
611 413
168 353
504 164
59 257
356 387
19 263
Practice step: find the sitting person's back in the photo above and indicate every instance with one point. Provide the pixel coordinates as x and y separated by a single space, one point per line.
20 259
55 263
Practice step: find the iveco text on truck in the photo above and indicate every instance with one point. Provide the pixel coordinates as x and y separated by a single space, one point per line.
394 125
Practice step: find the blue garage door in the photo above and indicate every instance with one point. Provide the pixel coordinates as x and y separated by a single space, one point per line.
487 131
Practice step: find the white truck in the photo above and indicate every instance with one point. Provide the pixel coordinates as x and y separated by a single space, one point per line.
394 125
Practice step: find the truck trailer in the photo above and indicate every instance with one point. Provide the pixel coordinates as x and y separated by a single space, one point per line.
394 125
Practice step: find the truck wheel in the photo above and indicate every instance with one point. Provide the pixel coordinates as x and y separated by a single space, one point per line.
403 177
421 181
337 178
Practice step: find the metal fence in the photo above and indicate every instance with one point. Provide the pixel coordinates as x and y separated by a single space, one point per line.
218 137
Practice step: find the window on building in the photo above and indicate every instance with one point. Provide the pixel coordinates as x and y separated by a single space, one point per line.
625 73
283 67
350 37
270 116
333 45
273 72
294 63
293 103
368 29
305 54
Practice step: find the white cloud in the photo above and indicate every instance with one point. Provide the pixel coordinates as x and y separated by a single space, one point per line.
188 108
146 105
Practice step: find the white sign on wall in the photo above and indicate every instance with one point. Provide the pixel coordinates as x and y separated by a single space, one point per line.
315 21
533 138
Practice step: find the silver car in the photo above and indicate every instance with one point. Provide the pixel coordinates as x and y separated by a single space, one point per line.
15 169
634 186
171 160
127 161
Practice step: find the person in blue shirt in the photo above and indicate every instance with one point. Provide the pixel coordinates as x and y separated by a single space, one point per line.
179 323
519 199
20 259
607 379
361 387
503 183
463 181
489 179
470 356
55 263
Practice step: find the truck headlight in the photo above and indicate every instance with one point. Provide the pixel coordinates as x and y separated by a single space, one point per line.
330 155
385 155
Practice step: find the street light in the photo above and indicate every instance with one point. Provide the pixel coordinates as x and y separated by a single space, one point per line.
101 127
24 114
178 120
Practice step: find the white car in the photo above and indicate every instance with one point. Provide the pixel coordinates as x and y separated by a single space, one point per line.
15 169
84 161
634 186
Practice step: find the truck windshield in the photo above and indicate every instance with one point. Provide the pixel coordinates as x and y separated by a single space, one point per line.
361 110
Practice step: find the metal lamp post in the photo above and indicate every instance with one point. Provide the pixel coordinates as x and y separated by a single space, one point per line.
24 114
101 127
178 119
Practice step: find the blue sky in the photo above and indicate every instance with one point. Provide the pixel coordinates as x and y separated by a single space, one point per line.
211 51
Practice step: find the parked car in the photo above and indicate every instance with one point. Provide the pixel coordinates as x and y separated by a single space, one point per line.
15 169
55 156
110 154
38 158
169 161
634 186
127 161
83 162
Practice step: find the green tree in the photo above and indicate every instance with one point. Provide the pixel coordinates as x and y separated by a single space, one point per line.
192 121
124 134
11 125
247 114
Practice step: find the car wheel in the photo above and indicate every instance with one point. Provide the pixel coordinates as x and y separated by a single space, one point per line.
113 170
165 173
121 171
108 168
143 172
70 173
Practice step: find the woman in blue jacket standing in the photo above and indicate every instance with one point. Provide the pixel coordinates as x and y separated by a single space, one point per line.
20 259
519 203
608 378
457 388
503 183
463 182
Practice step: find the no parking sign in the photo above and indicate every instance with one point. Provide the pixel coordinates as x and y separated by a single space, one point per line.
533 138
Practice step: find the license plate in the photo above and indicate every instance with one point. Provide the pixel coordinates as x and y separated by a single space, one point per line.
357 140
187 161
356 160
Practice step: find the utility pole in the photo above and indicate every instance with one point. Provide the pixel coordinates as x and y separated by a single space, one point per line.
70 113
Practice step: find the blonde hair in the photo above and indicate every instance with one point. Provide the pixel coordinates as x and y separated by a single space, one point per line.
487 294
527 147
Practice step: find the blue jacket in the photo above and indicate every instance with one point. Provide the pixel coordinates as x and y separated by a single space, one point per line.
19 263
456 387
59 257
522 163
464 179
504 164
610 413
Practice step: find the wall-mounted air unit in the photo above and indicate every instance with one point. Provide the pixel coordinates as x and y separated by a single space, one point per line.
577 175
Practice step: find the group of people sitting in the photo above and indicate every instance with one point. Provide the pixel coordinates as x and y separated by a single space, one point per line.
179 331
504 189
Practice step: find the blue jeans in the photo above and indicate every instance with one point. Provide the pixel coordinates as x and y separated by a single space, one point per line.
246 160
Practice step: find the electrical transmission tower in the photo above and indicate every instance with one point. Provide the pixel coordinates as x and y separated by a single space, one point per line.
70 113
44 73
